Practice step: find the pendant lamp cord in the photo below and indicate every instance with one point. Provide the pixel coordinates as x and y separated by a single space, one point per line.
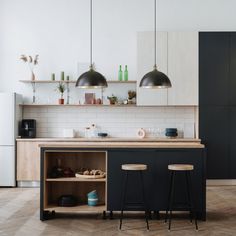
155 34
91 34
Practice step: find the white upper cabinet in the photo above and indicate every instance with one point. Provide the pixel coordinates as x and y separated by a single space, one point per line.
177 56
183 68
145 63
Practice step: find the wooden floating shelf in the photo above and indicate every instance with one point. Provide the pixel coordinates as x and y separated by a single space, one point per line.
77 105
74 81
75 179
76 209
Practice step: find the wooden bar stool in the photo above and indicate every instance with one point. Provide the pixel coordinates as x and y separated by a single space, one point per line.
174 168
139 168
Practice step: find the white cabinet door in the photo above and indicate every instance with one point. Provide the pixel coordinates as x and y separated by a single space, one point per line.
145 63
183 68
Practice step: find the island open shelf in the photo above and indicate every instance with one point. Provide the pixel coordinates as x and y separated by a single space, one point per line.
54 187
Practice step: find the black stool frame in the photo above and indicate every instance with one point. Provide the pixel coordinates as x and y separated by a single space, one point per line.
190 204
124 204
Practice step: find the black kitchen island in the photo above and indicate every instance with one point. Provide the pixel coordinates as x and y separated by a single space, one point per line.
109 156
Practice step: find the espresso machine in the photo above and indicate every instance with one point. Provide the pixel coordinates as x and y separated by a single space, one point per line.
27 128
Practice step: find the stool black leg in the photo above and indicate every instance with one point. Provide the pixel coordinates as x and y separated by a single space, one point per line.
191 199
144 200
168 202
157 214
150 215
171 199
111 215
188 195
123 198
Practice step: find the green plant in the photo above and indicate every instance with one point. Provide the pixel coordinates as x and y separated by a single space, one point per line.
131 94
61 89
113 99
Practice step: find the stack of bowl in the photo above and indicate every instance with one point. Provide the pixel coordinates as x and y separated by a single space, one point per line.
171 132
92 198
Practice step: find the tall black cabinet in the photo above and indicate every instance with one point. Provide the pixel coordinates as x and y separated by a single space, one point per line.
217 102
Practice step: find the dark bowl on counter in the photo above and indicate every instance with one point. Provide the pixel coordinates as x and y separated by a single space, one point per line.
171 135
102 135
171 130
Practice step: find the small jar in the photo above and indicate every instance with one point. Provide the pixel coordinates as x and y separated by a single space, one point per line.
87 132
93 131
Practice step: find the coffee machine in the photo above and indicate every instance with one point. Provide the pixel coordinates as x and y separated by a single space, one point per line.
28 128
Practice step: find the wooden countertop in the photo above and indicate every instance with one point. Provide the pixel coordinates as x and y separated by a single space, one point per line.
122 144
138 140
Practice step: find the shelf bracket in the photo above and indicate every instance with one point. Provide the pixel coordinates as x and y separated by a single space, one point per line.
34 91
68 93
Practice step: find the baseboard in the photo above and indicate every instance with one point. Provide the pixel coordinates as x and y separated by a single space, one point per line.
28 184
221 182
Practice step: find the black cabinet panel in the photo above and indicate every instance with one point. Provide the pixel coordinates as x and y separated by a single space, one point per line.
186 156
116 176
214 68
214 132
156 177
232 85
232 132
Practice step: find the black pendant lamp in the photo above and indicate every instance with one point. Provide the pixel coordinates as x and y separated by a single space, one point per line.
155 78
91 79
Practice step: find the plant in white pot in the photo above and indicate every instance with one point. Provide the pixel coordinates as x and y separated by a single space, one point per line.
32 62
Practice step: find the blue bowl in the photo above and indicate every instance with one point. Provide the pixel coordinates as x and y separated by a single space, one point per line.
93 194
171 134
92 202
171 130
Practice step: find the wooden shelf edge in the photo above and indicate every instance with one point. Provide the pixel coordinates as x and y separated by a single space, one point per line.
102 105
74 81
74 179
78 105
76 209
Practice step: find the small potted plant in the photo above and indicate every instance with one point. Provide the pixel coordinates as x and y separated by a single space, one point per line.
61 89
131 97
113 99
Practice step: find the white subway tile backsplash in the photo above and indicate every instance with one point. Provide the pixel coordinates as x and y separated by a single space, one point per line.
116 121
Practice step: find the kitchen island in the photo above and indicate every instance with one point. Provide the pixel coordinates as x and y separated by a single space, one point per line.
109 155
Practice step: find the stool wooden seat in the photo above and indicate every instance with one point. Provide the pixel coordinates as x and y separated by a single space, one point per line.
134 167
180 167
139 169
185 169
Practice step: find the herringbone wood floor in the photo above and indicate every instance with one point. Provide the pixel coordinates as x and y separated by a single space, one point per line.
19 215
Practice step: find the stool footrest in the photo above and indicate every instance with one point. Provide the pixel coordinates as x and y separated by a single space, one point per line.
134 207
181 206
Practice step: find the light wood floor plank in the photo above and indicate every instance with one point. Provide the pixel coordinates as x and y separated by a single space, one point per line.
19 216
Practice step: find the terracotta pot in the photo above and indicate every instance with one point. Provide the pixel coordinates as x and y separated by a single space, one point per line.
61 101
99 101
112 102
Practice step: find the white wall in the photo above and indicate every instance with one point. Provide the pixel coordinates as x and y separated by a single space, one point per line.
58 31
